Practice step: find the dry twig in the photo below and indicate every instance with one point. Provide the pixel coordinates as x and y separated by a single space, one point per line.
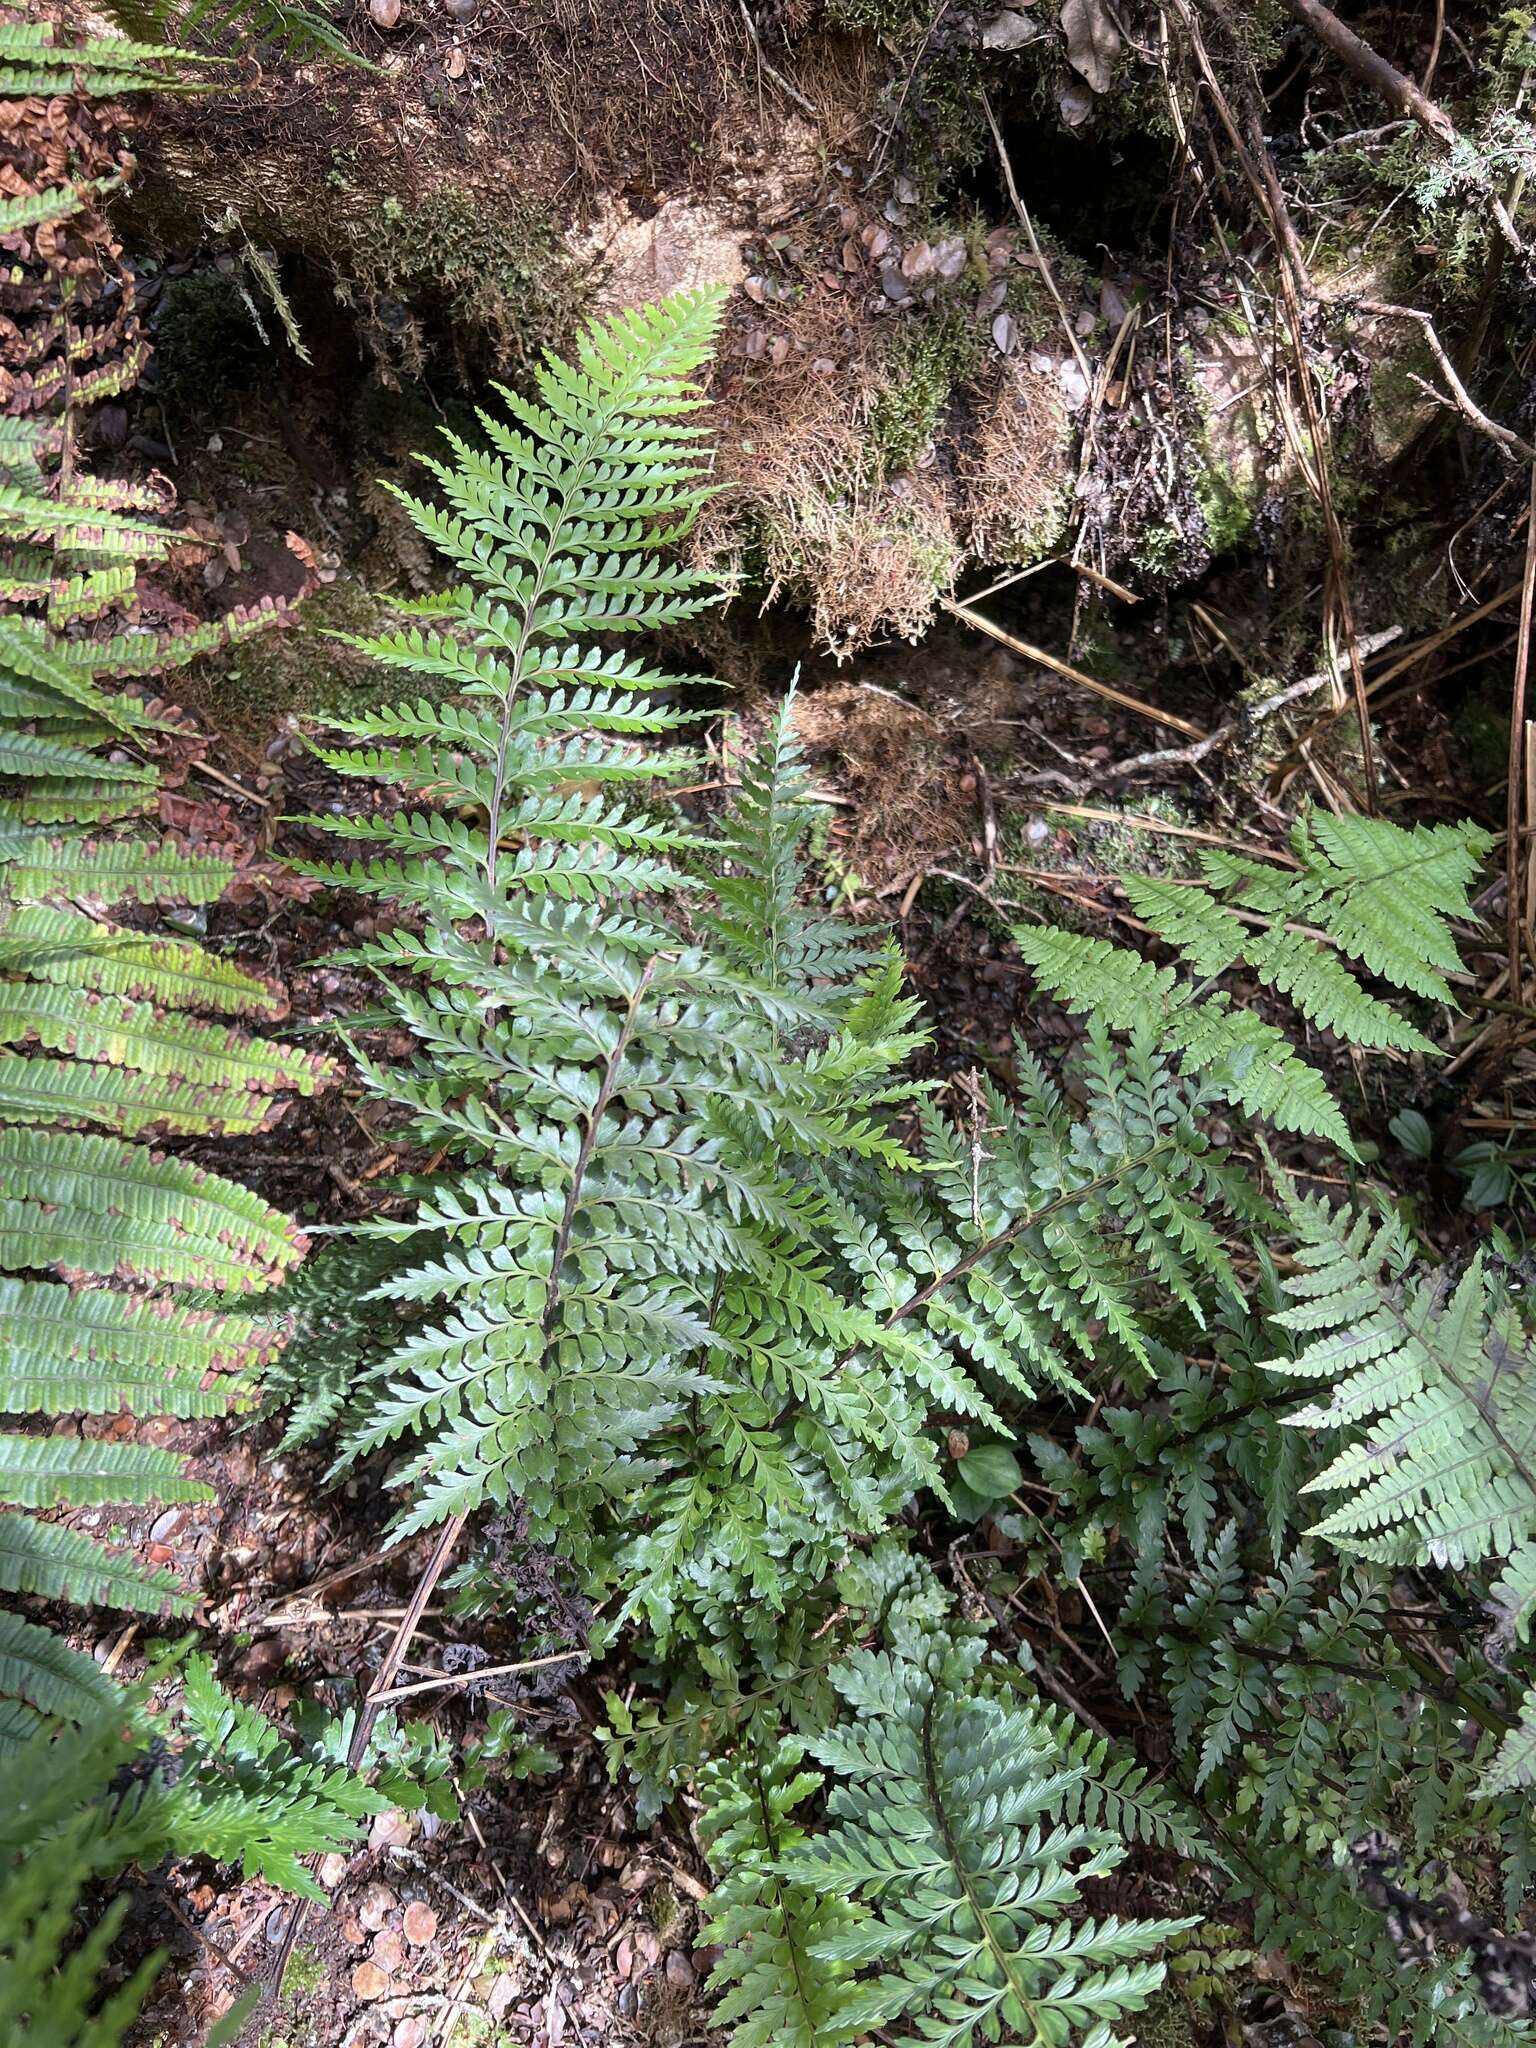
1073 675
1517 748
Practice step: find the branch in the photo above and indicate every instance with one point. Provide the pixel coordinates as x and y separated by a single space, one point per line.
1398 91
1461 398
1357 56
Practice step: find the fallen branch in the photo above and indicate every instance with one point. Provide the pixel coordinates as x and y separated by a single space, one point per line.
1251 714
1518 746
1397 90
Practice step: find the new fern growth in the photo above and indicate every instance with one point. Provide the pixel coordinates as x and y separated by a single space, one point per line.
939 1901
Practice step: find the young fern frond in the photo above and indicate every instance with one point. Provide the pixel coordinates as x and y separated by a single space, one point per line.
774 1985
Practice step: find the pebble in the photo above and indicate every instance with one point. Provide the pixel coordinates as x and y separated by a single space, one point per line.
679 1970
369 1981
389 1828
333 1869
408 2034
375 1906
420 1923
388 1952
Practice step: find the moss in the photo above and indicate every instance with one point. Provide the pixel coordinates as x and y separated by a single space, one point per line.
306 1971
1159 553
1227 512
497 268
665 1908
296 668
922 372
1483 736
207 348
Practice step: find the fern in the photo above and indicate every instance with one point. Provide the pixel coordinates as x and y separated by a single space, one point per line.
946 1822
702 1287
1363 890
775 1987
1435 1385
108 1030
295 30
686 1260
250 1797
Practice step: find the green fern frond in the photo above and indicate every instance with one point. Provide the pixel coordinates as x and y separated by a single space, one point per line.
58 1563
1362 889
252 1798
295 30
47 1676
109 871
1442 1381
774 1989
946 1817
67 946
90 1203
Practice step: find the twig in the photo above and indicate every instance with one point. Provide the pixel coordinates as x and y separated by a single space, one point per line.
1143 821
1461 398
1029 228
449 1679
1433 64
1167 757
778 78
357 1748
1073 675
1517 748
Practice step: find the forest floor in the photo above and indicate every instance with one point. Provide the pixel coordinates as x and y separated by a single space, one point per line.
972 786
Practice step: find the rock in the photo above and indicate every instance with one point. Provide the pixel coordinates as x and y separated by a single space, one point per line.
408 2034
463 11
679 1970
262 1661
389 1829
384 13
1009 31
420 1923
333 1869
685 243
388 1952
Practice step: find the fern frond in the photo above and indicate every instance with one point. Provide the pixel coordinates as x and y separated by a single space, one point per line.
946 1817
1444 1469
59 1563
1364 888
47 1676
